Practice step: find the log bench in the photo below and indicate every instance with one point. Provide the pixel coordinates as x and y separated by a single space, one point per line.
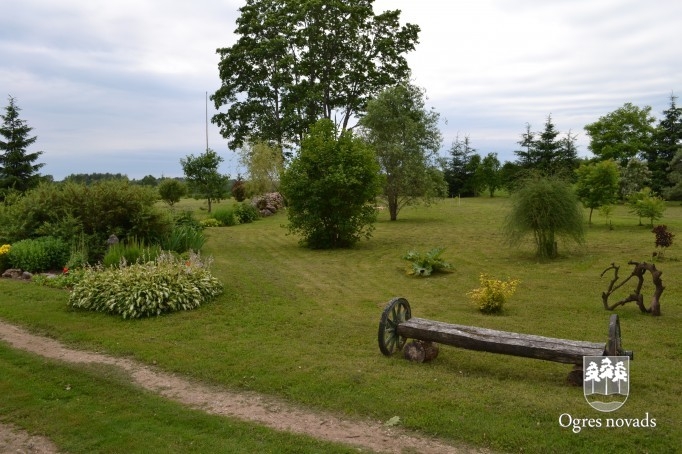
397 325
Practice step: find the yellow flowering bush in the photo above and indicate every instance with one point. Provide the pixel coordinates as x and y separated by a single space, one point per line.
4 259
491 296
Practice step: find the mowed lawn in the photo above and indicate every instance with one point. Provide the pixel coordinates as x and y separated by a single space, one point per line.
302 325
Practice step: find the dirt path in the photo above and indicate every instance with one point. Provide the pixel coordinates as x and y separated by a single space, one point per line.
245 406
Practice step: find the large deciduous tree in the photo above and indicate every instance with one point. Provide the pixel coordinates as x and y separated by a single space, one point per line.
331 186
623 134
598 184
297 61
406 139
264 164
203 178
18 168
489 173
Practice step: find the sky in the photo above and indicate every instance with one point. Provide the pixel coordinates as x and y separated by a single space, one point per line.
120 87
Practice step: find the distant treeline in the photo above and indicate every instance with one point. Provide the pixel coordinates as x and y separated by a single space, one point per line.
90 178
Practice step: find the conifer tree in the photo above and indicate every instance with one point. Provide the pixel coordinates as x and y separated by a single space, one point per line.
18 168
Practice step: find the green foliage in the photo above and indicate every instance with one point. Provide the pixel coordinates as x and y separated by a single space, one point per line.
164 285
203 178
460 168
210 222
424 264
73 212
129 251
265 165
40 254
295 63
183 238
546 208
545 153
406 140
18 170
622 134
493 294
488 173
66 280
246 213
172 190
598 184
331 186
225 216
646 205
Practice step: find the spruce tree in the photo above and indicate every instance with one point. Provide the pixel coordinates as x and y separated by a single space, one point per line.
667 144
18 168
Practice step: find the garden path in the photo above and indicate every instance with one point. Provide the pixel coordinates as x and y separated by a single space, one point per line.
252 407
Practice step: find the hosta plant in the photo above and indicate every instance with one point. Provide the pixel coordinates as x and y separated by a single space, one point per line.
428 263
167 284
492 295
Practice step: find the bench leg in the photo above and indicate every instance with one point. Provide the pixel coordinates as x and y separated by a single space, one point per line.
420 351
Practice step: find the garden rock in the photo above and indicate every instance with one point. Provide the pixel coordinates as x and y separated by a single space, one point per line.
268 204
13 273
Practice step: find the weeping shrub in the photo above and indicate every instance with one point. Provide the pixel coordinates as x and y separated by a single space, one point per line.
546 208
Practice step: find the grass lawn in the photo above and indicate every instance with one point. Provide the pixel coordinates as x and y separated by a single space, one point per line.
302 325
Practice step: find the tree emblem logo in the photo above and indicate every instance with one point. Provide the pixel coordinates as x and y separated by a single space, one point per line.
606 381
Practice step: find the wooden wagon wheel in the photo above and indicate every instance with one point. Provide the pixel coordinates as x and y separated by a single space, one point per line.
396 311
614 346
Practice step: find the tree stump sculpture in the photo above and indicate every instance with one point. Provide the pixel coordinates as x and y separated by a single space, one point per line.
640 269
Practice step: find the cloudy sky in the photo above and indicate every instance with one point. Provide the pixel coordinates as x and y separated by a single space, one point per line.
120 86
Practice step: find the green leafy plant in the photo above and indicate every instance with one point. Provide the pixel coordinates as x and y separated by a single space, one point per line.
225 216
428 263
646 205
183 238
210 222
130 251
246 213
492 295
164 285
66 280
40 254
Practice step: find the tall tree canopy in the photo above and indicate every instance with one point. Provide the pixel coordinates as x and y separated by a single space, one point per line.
297 61
18 169
547 153
667 144
331 186
622 134
406 139
460 168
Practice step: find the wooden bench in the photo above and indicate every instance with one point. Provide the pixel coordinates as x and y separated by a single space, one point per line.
397 325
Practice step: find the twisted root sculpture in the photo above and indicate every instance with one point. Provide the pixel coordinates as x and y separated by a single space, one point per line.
640 269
